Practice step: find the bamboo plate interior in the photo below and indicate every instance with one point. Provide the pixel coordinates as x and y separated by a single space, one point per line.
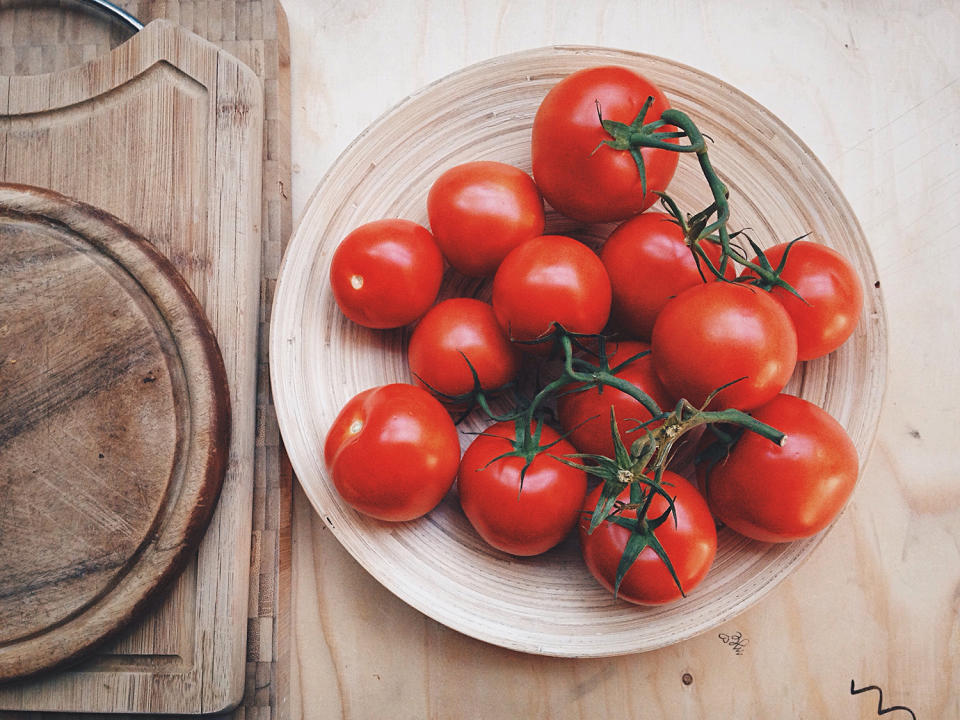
550 604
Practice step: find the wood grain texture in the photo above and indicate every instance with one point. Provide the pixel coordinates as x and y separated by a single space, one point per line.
872 91
114 427
165 132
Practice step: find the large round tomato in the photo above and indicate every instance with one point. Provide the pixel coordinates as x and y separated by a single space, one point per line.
831 291
578 176
480 211
649 263
520 521
548 279
778 494
719 332
393 452
690 544
454 335
386 273
585 415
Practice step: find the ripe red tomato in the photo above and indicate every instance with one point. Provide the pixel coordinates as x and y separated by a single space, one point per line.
386 273
778 494
526 521
393 452
649 262
578 176
690 543
585 416
453 330
718 332
479 211
831 291
550 279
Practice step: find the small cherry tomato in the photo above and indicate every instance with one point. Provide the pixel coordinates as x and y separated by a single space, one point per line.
585 415
479 211
577 174
551 278
717 333
831 291
386 273
778 494
393 452
690 544
649 263
454 332
526 520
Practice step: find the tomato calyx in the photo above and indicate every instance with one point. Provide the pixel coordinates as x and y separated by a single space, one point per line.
525 443
638 134
475 397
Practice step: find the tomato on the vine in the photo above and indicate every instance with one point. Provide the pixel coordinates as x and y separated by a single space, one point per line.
831 292
479 211
526 519
455 335
690 543
386 273
393 452
718 333
550 279
778 494
580 176
585 414
649 262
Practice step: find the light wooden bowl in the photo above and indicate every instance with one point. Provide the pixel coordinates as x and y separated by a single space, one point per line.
549 604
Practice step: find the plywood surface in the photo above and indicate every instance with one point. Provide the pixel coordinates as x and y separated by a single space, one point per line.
165 132
874 91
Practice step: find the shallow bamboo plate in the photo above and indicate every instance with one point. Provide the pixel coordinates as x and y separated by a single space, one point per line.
547 605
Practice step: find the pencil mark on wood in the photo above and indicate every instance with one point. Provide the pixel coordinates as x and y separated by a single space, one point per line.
880 709
736 641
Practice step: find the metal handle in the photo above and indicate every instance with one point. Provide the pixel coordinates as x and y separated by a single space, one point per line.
116 12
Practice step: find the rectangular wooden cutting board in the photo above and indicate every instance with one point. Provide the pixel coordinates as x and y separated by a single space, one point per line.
179 139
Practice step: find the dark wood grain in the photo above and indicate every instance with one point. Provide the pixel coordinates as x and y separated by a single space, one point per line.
114 427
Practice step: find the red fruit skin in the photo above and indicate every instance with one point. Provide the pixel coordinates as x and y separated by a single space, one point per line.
585 416
479 211
551 278
527 521
386 273
455 326
717 333
832 296
780 494
393 452
691 545
580 177
649 263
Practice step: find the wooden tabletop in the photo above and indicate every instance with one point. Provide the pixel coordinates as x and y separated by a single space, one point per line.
873 90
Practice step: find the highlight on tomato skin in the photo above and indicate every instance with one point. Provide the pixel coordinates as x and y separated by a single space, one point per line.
386 273
781 494
392 452
479 211
690 543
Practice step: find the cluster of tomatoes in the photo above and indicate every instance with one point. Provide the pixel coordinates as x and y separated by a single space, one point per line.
667 328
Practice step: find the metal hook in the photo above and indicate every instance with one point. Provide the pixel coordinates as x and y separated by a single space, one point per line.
116 12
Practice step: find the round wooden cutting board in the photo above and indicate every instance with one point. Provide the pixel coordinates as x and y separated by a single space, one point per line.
114 427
